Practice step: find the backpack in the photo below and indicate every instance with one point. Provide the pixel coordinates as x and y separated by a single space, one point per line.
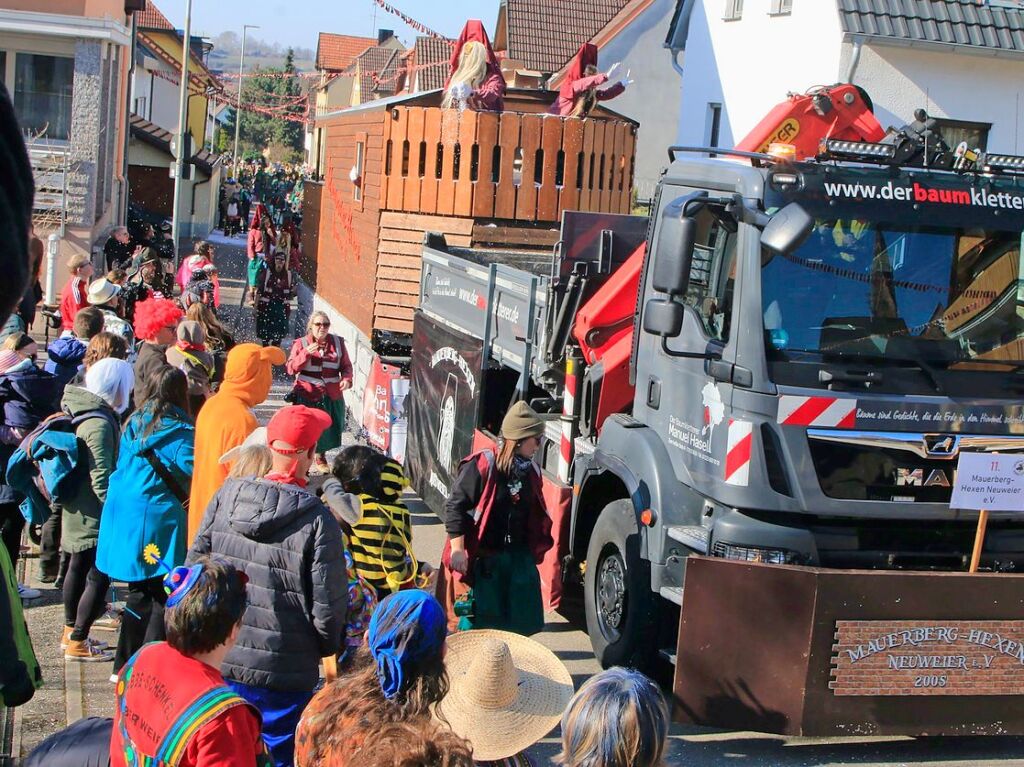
45 467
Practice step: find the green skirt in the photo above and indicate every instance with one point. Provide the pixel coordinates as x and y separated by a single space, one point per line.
253 270
335 408
506 593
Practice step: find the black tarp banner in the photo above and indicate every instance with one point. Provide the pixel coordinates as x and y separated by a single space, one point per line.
444 397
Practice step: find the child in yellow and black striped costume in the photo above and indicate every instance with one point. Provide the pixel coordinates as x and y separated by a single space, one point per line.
380 542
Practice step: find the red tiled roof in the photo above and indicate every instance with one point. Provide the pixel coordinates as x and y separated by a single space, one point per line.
433 54
335 53
151 18
545 34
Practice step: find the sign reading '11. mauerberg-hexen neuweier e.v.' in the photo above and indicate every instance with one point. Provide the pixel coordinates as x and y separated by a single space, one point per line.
942 657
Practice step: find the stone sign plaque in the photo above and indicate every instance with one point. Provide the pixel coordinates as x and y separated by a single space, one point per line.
959 657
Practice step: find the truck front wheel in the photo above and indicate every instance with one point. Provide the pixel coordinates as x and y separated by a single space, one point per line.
618 599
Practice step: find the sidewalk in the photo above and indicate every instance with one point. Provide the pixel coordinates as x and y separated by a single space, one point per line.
75 690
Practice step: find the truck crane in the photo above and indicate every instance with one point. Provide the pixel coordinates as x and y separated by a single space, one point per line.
761 394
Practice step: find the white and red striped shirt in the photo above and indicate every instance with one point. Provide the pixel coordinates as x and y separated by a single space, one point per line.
72 298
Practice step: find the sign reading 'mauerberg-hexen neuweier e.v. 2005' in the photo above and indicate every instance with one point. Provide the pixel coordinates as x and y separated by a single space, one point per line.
881 658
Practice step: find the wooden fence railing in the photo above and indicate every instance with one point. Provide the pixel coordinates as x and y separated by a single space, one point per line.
506 166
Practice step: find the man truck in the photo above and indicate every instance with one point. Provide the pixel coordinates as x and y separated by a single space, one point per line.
773 377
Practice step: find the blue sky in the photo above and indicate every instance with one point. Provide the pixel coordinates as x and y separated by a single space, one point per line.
298 22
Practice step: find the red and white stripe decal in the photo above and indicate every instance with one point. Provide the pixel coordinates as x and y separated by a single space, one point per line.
568 406
737 454
840 412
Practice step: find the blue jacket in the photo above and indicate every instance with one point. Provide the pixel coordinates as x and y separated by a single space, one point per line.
28 395
65 356
56 454
140 507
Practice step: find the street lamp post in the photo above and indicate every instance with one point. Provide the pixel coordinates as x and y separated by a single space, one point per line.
238 107
182 158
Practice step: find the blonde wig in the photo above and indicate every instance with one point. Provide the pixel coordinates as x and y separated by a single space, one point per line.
471 70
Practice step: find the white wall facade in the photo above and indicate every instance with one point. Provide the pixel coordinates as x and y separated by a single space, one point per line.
960 86
725 60
654 98
749 65
160 94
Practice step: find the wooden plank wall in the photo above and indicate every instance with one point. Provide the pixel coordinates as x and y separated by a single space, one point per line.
471 176
348 230
484 164
400 260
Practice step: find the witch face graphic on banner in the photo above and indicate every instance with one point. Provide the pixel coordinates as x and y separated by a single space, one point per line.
442 406
446 428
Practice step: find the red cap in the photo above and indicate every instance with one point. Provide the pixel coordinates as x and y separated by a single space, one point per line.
298 426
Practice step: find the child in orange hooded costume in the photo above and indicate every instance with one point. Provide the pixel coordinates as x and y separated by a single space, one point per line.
227 419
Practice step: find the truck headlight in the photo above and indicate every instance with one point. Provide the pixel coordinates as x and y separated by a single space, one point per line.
757 554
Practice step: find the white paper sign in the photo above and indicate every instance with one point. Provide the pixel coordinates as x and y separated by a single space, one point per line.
990 482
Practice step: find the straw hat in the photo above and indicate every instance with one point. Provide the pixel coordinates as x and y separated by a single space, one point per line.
101 291
507 691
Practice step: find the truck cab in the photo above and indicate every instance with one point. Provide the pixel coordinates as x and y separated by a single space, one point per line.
815 343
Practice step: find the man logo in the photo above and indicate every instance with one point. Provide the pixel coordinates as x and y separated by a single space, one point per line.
939 444
916 478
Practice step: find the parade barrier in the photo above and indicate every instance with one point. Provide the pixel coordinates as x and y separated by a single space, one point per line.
813 652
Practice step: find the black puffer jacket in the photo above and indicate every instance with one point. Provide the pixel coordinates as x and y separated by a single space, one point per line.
291 548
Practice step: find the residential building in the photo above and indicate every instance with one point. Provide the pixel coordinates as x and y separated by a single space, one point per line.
540 36
377 71
961 60
152 188
353 70
155 101
334 55
66 63
633 38
155 91
427 63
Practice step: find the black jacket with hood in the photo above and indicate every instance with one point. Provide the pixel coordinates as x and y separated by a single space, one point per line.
291 548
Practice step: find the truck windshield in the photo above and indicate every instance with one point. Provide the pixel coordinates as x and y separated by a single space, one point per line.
867 290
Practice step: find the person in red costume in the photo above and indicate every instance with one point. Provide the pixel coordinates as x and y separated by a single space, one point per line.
294 241
262 238
474 76
579 93
73 297
323 372
173 705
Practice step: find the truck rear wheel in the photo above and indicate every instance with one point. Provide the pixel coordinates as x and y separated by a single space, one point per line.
617 591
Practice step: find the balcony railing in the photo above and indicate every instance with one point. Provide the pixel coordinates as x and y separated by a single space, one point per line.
527 167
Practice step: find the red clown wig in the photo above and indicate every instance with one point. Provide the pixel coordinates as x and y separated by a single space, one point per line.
153 314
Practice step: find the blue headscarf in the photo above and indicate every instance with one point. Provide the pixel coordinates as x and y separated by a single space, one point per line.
405 628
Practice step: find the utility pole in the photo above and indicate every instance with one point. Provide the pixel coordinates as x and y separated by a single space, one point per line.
182 159
238 107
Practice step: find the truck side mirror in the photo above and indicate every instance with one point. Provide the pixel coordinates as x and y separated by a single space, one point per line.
787 230
663 317
674 254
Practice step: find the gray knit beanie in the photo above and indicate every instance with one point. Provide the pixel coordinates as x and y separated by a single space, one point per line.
521 422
